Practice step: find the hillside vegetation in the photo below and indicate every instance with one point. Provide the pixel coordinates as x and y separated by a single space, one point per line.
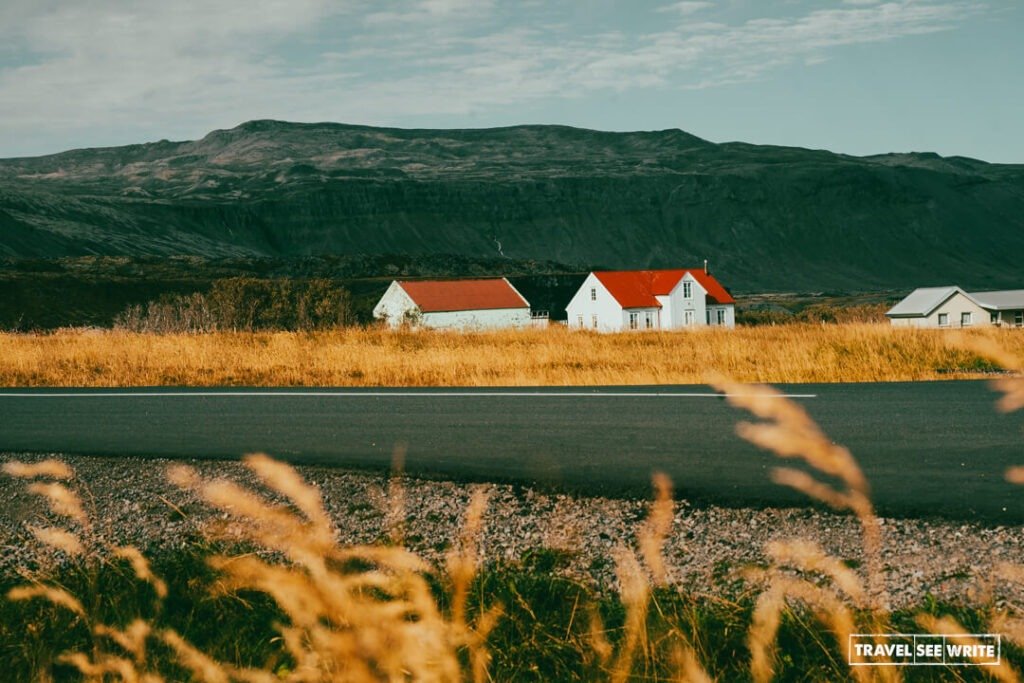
768 218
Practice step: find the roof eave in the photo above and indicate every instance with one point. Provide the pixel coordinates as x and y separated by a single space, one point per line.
1001 307
462 310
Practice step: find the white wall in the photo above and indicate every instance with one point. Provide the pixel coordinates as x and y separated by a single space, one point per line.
730 314
489 319
1009 318
678 305
641 318
394 306
608 311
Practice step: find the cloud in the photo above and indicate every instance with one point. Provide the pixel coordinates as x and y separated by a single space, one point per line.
192 65
430 10
685 8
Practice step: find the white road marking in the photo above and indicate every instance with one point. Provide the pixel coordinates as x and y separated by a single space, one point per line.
384 394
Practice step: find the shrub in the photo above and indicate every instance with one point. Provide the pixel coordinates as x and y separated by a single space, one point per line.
245 304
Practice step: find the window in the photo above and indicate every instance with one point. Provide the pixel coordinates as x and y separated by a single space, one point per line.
943 319
688 318
1018 318
593 321
707 316
721 316
579 321
965 319
593 293
633 317
994 318
687 290
649 320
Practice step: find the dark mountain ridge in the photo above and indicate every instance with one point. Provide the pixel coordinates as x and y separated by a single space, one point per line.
768 218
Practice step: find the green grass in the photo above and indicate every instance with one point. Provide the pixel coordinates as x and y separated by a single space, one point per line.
544 635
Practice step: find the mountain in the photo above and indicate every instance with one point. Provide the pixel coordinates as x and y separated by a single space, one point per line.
768 218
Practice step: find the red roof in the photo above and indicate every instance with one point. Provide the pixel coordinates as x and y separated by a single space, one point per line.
433 296
638 288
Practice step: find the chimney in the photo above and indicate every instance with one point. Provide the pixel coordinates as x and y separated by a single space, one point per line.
705 266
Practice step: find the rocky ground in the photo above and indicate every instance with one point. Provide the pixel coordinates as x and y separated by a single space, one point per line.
131 502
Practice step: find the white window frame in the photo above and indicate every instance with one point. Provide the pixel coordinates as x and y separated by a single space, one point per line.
634 320
593 320
688 318
579 319
721 316
943 319
593 293
966 319
687 289
649 320
1018 318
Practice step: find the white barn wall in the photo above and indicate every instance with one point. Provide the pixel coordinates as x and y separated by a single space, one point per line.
394 306
489 319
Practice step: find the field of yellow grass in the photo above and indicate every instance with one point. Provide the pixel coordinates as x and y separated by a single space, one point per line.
556 356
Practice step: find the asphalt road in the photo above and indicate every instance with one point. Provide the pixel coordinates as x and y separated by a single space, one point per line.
929 449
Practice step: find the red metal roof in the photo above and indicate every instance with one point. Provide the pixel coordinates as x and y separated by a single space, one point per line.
638 288
717 294
433 296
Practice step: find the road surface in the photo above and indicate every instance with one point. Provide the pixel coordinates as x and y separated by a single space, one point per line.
931 448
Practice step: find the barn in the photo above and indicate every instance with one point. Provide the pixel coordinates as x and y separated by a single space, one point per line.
613 300
483 304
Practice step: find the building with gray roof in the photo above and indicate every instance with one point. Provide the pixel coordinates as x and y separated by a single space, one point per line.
951 306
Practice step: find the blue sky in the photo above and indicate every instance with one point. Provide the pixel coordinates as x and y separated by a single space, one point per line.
853 76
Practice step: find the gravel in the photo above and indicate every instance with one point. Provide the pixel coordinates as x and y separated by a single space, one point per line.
130 501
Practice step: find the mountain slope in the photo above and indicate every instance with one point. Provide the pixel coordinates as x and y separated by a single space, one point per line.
767 217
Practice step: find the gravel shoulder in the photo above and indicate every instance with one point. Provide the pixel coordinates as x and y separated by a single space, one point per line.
131 502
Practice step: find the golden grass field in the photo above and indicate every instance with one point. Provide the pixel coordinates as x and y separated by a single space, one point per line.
855 352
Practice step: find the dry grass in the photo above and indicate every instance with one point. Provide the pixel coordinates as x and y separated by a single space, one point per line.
362 613
555 356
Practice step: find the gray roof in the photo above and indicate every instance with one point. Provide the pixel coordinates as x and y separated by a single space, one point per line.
1000 301
923 301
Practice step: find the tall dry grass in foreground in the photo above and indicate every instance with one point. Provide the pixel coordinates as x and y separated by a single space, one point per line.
555 356
363 613
357 613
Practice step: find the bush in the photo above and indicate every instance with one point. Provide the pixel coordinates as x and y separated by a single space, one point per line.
245 304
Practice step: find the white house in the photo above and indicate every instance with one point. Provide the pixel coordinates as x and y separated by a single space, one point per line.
1005 308
453 304
953 307
609 301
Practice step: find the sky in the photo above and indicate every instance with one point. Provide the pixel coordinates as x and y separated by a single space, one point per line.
852 76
